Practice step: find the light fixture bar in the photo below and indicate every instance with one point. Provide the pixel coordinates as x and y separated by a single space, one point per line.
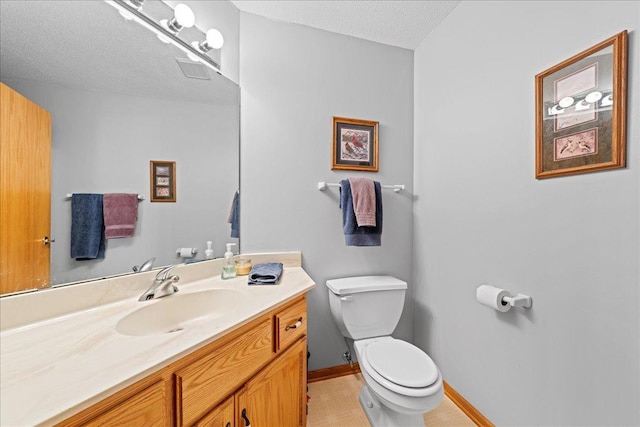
156 27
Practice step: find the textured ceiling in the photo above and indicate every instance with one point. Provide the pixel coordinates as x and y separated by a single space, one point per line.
394 22
87 45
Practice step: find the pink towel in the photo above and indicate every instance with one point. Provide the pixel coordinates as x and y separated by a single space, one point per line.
120 212
364 201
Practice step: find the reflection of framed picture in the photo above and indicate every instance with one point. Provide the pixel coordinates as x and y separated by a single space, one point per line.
581 111
355 144
163 181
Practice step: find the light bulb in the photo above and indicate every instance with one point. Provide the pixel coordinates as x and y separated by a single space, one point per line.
183 17
565 102
213 40
593 97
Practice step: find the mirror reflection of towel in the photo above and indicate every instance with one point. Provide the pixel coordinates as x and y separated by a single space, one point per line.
120 214
234 215
87 227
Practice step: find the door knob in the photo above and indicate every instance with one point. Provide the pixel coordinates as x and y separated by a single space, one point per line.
46 240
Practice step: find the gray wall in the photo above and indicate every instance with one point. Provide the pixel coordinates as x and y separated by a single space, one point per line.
293 80
103 142
572 243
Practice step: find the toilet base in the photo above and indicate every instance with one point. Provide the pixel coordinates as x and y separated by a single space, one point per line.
381 416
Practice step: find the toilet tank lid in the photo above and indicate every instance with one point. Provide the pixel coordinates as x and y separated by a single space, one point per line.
353 285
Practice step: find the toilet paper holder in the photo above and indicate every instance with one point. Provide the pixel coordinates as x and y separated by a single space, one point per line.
519 300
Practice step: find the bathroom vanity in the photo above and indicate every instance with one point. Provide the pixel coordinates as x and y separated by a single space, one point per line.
245 363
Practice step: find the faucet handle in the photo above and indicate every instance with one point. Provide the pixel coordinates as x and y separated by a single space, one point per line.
164 273
145 266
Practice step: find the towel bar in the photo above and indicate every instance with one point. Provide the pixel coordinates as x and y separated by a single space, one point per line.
323 186
140 196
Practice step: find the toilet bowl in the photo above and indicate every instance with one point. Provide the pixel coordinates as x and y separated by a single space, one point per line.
402 381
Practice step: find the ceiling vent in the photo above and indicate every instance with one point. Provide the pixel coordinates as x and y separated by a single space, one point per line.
193 70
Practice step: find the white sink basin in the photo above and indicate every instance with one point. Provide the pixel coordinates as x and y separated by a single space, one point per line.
176 312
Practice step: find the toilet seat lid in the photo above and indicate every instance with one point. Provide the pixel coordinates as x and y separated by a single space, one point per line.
402 363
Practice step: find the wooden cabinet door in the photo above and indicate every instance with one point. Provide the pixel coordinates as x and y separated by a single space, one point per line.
222 416
25 199
277 395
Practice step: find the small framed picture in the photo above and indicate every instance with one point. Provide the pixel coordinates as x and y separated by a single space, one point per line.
581 111
355 145
163 181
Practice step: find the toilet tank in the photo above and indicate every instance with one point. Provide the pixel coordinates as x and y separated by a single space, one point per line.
366 306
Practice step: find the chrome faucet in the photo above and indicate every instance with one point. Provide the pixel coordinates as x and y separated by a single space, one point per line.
162 285
146 266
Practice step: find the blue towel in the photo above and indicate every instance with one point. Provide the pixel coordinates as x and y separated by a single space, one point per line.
265 274
354 235
234 215
87 227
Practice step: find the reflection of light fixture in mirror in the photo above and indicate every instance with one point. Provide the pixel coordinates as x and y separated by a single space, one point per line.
593 97
167 31
183 17
136 3
213 40
555 110
565 102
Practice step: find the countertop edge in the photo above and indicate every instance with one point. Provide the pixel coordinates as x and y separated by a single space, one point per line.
304 285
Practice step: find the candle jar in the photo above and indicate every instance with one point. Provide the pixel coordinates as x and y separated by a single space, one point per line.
243 266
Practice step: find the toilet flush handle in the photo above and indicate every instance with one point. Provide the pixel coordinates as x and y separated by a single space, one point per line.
346 298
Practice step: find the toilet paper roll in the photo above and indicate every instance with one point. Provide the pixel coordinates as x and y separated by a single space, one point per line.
492 297
187 252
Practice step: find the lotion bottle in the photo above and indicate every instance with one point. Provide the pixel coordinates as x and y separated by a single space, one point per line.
208 254
229 264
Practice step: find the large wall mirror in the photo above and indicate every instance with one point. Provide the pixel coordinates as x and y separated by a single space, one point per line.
118 99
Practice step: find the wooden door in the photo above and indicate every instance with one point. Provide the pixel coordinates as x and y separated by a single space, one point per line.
277 395
25 199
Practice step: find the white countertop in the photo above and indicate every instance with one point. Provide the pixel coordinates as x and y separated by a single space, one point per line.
52 369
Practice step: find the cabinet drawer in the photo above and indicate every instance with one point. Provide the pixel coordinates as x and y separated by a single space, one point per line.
203 384
146 408
290 324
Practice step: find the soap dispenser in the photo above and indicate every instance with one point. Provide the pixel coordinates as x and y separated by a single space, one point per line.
208 254
229 264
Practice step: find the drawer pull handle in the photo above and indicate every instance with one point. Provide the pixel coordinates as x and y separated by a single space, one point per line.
295 325
247 423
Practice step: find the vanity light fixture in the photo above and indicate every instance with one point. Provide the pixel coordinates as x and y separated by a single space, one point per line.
168 30
183 17
136 3
213 40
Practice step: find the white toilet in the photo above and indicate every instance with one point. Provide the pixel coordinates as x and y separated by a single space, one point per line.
402 382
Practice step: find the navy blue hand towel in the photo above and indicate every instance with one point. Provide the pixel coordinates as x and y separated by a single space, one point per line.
87 227
265 274
354 235
234 215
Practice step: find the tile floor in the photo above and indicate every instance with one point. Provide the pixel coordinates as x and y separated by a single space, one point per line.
334 403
